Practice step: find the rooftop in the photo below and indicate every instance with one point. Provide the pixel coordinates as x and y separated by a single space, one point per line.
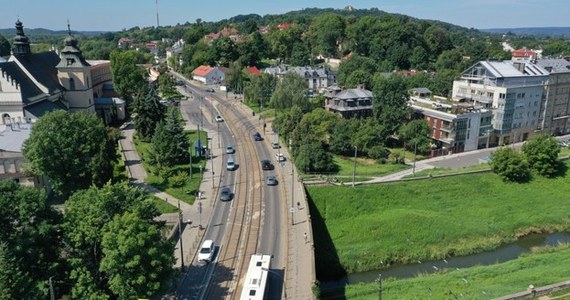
12 137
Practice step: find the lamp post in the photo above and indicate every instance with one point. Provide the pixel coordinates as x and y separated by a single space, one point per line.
190 162
354 167
292 194
415 150
379 281
180 235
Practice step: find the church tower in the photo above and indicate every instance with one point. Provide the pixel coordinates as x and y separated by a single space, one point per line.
21 45
74 74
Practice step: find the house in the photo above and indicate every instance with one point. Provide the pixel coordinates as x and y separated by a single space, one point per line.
283 26
124 43
454 126
513 90
208 75
253 71
523 54
317 78
349 103
176 48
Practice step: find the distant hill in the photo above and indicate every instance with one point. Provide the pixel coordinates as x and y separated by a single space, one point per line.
536 31
10 32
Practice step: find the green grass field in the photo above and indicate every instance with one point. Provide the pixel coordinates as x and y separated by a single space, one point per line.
431 219
163 206
481 282
365 167
450 171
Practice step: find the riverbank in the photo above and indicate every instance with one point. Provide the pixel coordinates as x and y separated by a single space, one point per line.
543 267
368 227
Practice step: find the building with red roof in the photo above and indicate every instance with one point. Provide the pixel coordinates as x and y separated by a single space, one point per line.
524 54
208 75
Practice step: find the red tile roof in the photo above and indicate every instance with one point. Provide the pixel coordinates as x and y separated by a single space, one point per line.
284 26
202 71
253 71
524 53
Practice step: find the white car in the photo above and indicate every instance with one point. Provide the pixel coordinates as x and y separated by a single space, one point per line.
280 157
206 251
219 118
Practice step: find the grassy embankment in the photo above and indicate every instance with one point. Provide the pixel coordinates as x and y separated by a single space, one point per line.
372 226
546 266
186 193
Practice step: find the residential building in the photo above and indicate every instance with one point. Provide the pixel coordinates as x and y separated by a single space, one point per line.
454 126
208 75
523 54
176 48
513 90
349 103
318 78
554 116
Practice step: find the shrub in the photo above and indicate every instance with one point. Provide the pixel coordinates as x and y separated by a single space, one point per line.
179 179
510 165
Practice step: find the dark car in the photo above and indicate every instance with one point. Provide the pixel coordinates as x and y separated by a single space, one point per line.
210 90
271 180
225 194
257 136
266 165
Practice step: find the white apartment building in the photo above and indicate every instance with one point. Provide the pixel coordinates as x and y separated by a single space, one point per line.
554 114
512 90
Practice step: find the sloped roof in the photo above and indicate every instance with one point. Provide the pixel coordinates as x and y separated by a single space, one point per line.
12 138
354 94
39 109
42 66
253 71
29 90
555 65
524 53
202 71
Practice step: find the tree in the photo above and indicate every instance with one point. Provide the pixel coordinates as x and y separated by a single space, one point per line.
510 165
437 39
390 102
354 63
359 77
311 157
169 145
541 153
4 47
328 32
291 91
72 149
149 112
235 77
30 242
341 135
137 258
416 134
128 78
166 87
225 50
87 212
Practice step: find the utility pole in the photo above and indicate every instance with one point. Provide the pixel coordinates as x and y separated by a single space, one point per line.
415 149
180 236
190 161
51 292
157 23
211 165
354 168
379 281
292 194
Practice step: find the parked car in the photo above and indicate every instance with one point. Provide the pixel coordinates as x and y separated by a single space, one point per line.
257 136
280 157
266 165
210 90
230 150
219 118
206 251
271 180
225 194
275 145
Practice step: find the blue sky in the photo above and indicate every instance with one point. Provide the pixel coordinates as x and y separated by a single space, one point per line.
115 15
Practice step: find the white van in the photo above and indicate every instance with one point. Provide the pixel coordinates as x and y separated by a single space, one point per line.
230 164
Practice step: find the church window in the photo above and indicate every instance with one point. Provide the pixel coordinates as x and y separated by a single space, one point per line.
71 84
70 61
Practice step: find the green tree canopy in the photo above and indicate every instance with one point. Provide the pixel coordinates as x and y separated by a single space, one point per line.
169 146
291 91
86 214
541 153
149 112
4 46
137 258
128 78
390 102
416 135
328 31
73 150
510 165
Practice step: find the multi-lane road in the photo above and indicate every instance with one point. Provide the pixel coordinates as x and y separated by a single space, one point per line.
253 221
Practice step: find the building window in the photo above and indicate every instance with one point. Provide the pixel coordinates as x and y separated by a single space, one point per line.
71 84
70 61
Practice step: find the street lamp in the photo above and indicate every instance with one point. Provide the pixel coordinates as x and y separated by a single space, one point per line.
379 281
354 168
180 235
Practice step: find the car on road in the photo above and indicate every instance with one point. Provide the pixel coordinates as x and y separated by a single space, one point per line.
266 165
275 145
206 252
219 118
279 157
230 150
210 90
271 180
257 136
225 194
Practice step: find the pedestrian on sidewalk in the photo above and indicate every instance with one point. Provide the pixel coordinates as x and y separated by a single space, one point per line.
305 234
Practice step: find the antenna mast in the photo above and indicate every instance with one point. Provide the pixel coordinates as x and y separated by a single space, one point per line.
157 23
